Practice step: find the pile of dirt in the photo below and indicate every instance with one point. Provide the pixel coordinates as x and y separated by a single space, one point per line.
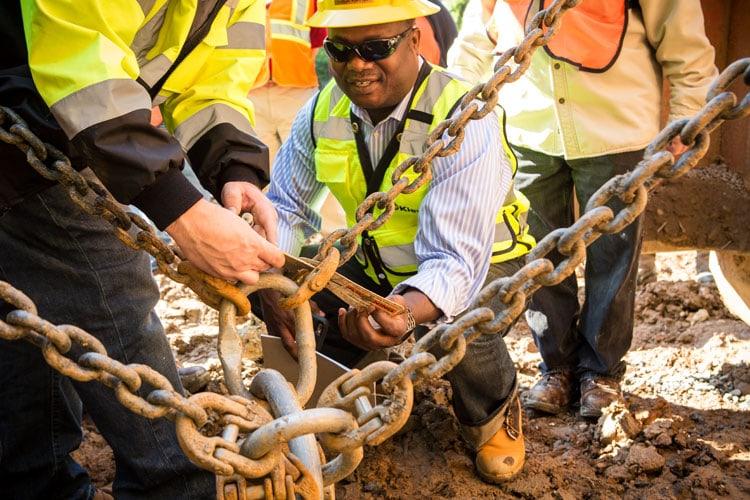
685 431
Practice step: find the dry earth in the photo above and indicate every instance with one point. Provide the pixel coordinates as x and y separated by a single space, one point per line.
687 388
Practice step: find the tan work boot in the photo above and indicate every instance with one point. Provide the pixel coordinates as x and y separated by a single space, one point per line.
503 456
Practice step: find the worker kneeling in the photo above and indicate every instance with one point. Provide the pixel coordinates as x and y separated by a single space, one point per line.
462 229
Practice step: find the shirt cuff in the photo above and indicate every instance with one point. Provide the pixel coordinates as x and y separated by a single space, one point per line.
170 196
289 240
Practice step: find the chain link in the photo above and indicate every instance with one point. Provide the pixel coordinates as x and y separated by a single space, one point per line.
261 454
513 291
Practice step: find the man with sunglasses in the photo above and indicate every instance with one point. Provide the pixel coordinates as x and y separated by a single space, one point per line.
433 254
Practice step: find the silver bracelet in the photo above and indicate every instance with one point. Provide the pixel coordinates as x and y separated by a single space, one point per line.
411 323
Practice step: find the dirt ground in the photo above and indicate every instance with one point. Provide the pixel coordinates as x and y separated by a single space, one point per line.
687 388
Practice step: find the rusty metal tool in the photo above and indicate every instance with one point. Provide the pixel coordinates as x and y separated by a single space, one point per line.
357 296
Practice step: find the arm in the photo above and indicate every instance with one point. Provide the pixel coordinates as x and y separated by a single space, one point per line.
457 219
471 54
675 28
212 118
85 71
294 190
297 196
454 241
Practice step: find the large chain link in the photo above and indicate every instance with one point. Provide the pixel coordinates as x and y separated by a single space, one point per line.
508 295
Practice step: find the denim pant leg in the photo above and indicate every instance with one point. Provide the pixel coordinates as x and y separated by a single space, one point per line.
485 377
606 321
77 272
553 311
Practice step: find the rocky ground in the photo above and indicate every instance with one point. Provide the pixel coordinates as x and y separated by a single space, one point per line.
686 434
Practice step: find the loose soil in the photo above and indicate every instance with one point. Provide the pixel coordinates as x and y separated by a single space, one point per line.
686 435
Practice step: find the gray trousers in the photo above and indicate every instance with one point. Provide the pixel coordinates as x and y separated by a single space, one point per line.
593 338
75 270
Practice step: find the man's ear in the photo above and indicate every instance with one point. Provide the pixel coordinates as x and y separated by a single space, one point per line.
416 36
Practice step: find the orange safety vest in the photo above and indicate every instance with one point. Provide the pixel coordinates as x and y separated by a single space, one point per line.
290 60
590 35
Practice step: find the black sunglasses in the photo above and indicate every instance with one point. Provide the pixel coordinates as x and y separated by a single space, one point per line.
370 51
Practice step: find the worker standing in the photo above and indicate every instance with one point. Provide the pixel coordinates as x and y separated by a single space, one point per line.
443 242
581 114
84 75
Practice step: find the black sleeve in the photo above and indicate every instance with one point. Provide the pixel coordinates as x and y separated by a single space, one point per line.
225 154
139 164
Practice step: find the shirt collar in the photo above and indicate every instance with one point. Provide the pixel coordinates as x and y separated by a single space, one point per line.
398 112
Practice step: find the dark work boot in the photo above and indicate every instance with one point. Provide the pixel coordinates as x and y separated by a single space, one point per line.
598 392
553 393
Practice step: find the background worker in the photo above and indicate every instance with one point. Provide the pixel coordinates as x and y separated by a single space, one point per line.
581 114
433 255
288 78
84 75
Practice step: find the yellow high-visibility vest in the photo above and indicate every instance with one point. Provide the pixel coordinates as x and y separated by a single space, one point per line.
387 253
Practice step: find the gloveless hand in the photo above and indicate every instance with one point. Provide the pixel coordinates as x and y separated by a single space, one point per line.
220 243
240 197
356 328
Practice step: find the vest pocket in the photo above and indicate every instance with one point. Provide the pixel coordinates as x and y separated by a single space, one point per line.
331 167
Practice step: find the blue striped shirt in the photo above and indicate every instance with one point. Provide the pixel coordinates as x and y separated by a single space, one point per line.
456 219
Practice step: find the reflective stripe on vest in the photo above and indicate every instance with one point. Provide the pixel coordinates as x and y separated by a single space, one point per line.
291 59
590 35
338 167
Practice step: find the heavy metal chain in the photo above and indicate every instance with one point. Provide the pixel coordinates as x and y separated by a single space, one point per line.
352 390
345 420
262 453
539 30
95 200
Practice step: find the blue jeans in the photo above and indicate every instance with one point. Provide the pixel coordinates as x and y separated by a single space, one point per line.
594 338
77 272
481 382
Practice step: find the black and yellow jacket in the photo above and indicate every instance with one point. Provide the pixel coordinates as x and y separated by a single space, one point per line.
85 74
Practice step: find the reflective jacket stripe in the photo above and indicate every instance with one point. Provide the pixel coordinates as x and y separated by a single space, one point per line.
204 120
290 31
246 35
98 103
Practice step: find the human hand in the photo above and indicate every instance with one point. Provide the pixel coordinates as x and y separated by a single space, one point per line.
279 322
356 328
220 243
240 197
676 147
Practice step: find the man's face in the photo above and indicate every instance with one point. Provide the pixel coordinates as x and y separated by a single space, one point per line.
378 84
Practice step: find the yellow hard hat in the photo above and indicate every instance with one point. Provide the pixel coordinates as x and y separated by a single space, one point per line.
351 13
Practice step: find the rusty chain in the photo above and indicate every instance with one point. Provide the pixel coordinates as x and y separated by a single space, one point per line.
95 200
352 391
347 420
539 30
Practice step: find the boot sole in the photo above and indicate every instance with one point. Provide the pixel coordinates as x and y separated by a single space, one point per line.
496 479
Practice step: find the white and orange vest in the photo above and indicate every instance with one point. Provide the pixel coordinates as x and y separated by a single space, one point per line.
590 35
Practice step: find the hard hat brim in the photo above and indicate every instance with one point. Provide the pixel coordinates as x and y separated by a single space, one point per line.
365 16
